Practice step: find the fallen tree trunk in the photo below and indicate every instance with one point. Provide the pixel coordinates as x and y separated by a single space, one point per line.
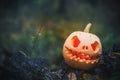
19 66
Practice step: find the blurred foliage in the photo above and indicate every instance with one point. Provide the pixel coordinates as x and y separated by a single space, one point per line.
40 27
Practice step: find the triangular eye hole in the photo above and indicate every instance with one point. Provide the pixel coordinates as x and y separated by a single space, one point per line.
75 41
95 46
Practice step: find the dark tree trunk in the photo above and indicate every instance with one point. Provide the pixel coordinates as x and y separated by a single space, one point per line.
19 66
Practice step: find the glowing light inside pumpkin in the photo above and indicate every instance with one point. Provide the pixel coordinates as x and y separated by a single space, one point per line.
76 41
81 55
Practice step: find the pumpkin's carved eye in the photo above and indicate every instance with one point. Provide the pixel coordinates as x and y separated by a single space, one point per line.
75 41
95 46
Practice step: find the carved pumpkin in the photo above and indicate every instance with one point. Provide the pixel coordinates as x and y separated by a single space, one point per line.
81 50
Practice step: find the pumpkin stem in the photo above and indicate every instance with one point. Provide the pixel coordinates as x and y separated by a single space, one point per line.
87 28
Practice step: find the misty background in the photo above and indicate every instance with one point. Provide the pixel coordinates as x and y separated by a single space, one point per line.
40 27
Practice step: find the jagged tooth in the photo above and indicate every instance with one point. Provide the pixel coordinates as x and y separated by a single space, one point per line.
69 55
74 56
84 60
76 59
83 54
81 60
87 61
87 56
66 51
93 61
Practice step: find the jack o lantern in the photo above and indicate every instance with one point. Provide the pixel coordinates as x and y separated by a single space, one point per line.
82 50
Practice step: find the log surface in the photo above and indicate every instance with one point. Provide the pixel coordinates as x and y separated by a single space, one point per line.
19 66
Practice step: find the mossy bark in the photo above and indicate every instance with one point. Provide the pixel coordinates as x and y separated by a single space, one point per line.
19 66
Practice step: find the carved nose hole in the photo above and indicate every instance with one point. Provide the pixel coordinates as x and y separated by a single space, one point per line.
85 47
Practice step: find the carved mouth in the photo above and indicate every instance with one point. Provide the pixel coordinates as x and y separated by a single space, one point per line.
81 57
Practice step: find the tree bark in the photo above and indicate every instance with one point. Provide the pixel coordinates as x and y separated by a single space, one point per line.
19 66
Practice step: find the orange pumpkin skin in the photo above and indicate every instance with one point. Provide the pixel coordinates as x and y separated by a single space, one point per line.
81 50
